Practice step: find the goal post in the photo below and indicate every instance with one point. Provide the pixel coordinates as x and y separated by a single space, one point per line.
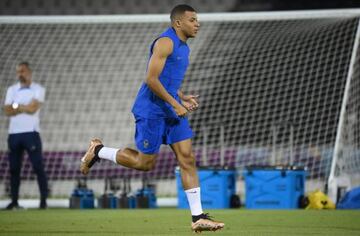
344 172
275 88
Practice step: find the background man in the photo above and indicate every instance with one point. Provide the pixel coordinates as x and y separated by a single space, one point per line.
22 104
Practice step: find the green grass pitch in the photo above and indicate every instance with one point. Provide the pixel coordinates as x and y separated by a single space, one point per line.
177 222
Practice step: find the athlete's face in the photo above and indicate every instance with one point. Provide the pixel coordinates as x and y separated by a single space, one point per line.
189 24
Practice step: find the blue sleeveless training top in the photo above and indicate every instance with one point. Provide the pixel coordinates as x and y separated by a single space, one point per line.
147 104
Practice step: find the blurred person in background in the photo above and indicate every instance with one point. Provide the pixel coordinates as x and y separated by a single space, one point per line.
22 104
160 111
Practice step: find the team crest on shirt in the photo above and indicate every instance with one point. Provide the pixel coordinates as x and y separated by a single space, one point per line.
146 143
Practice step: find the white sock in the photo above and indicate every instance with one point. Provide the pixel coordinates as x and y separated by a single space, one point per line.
193 196
108 153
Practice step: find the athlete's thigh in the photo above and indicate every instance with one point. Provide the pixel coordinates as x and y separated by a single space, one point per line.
182 149
150 156
178 130
149 135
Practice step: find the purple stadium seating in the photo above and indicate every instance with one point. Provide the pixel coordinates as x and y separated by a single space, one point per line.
64 165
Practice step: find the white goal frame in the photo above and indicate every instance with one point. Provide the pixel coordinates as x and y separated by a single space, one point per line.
248 16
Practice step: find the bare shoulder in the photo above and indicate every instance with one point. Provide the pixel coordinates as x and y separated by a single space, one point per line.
163 46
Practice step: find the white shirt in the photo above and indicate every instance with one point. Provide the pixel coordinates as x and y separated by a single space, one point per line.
24 122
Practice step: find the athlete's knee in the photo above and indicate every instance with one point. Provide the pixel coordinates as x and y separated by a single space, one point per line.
185 152
146 163
187 161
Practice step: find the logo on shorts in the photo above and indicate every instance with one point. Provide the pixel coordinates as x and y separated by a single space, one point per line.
146 143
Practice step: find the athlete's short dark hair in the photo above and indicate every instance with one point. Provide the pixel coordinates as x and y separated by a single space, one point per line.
179 10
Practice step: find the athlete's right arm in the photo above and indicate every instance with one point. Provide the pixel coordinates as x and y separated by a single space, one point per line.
162 49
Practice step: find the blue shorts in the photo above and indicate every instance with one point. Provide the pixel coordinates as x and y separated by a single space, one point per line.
151 133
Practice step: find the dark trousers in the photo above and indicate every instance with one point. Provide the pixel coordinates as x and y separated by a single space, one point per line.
31 143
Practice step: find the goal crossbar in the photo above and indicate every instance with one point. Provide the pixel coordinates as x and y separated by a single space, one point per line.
204 17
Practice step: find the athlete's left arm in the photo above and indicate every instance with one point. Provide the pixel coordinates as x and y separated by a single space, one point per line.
30 108
190 101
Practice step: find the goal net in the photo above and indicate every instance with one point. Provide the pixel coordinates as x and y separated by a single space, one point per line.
275 88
